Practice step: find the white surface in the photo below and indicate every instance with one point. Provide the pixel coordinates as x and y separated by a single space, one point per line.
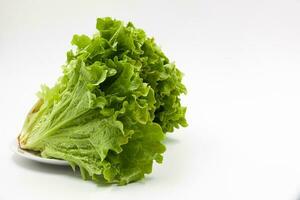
241 61
34 157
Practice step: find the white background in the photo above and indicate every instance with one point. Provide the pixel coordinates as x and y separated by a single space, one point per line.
241 61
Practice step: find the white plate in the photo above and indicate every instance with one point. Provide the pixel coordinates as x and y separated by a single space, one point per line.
31 156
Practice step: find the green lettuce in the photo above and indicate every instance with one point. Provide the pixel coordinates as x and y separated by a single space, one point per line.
109 111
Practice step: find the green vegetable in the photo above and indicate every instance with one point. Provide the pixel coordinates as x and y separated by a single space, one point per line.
109 111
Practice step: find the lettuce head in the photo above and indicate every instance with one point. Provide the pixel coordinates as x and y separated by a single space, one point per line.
108 113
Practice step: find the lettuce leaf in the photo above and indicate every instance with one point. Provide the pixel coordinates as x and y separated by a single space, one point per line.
109 111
